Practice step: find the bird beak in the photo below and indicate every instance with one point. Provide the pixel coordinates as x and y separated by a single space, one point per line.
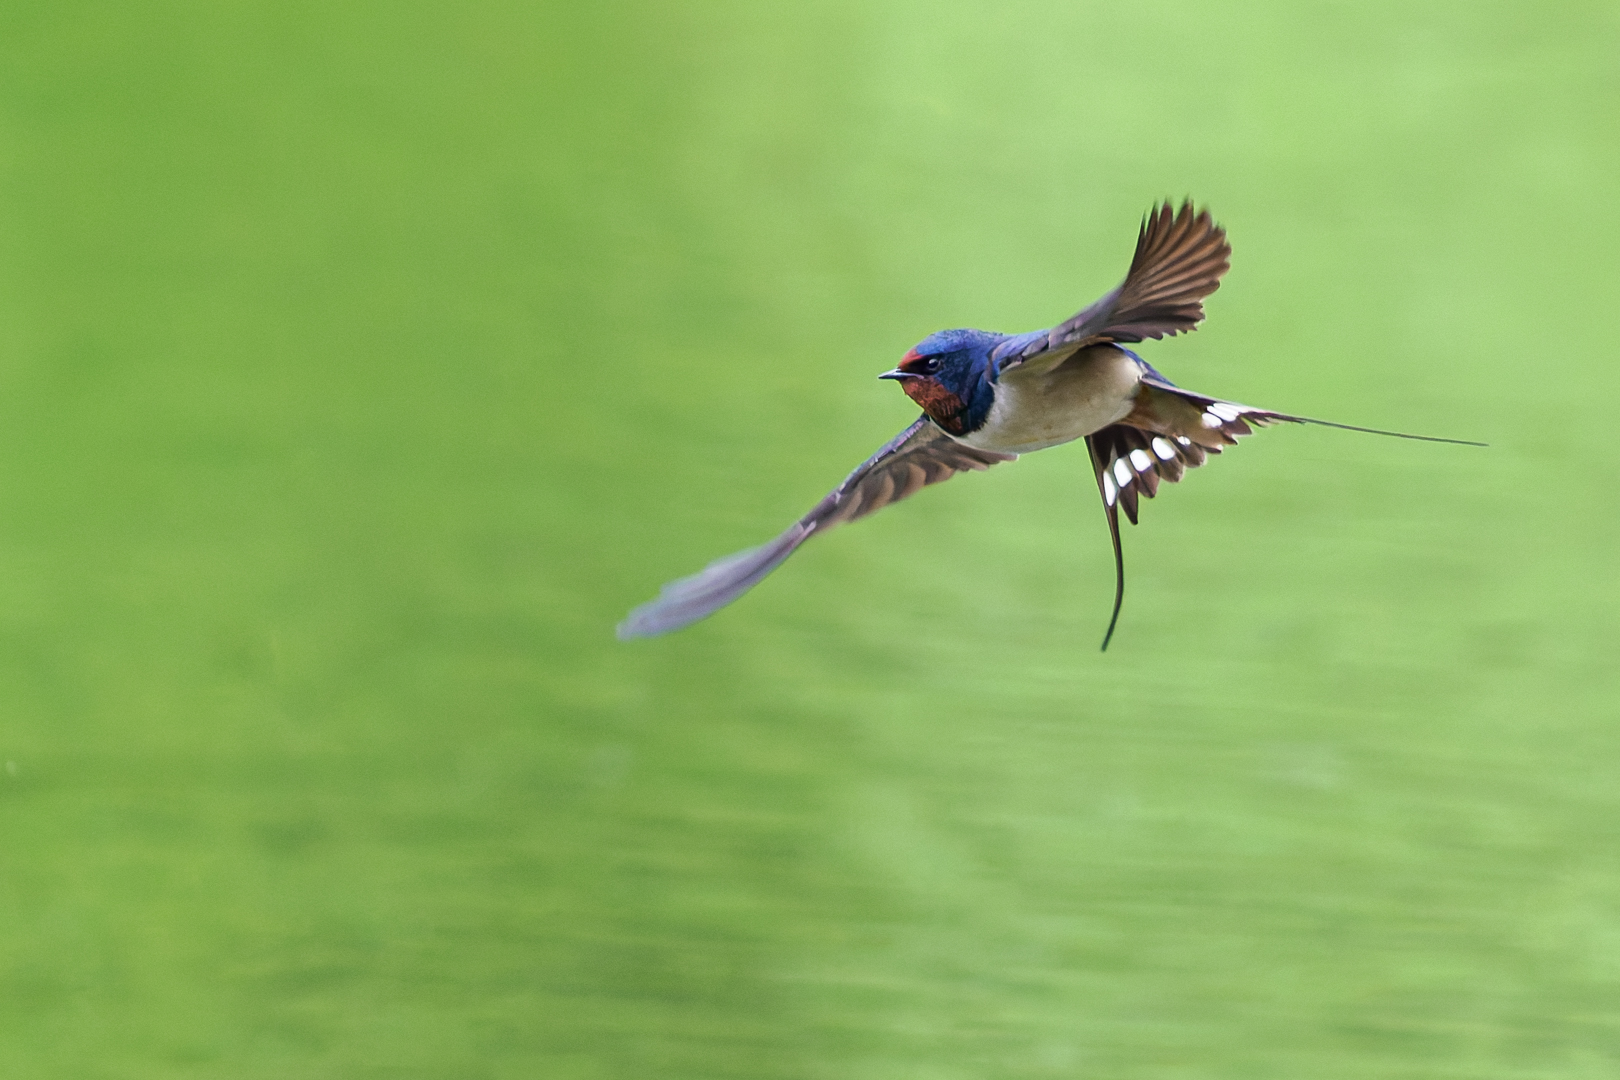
897 374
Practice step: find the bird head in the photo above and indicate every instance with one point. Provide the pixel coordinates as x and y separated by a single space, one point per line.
950 375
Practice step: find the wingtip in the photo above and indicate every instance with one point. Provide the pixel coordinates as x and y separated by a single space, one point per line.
650 620
640 624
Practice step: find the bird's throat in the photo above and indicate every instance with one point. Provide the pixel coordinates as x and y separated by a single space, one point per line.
942 406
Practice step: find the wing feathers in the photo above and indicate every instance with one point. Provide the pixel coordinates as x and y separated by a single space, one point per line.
1180 258
920 455
716 585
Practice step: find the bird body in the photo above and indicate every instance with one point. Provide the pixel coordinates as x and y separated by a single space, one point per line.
1048 404
989 397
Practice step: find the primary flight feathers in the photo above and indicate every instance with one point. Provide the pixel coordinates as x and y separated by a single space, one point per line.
920 455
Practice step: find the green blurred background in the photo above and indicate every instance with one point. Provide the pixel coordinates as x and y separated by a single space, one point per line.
361 364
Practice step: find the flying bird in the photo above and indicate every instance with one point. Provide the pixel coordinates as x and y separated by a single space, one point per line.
988 397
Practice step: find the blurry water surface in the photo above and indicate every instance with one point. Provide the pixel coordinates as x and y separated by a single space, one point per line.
361 364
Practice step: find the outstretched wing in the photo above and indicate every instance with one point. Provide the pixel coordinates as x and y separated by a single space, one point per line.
1179 260
920 455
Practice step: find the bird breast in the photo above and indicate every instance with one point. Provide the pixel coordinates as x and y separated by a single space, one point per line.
1045 404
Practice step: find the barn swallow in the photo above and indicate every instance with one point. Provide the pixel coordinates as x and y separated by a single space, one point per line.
988 397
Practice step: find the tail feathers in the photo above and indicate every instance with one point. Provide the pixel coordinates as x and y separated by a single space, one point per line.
1168 409
1129 464
1380 431
1169 431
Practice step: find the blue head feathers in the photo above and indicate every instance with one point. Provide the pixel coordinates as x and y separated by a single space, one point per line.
950 375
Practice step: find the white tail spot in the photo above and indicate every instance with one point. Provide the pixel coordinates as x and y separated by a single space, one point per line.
1225 410
1211 420
1163 449
1122 472
1110 492
1141 461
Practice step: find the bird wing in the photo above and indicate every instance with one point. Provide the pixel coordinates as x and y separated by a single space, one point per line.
1178 430
920 455
1180 258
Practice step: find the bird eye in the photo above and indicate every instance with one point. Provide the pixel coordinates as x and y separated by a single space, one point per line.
932 365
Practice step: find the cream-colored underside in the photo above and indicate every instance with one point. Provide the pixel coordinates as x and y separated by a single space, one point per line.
1045 403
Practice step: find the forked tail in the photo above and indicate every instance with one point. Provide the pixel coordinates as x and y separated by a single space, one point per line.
1379 431
1170 431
